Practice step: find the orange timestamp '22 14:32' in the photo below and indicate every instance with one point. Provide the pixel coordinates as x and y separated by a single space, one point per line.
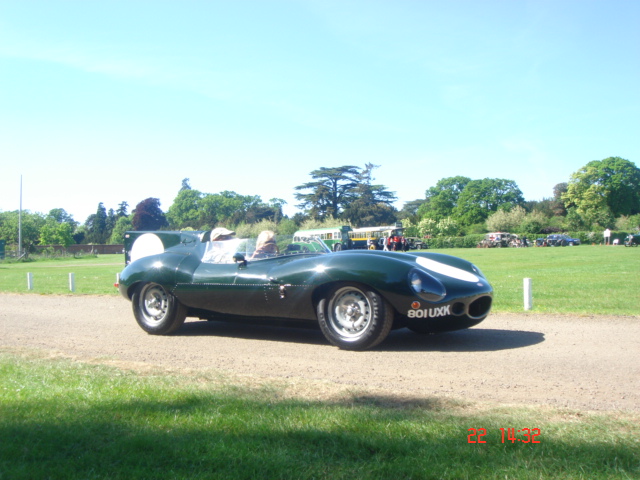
524 435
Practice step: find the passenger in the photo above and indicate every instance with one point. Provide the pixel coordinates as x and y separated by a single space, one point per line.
265 245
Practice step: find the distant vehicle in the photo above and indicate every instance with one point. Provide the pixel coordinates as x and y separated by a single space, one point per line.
336 238
561 240
374 238
632 240
496 240
416 243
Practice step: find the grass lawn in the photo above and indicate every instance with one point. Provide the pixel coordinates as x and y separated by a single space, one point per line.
69 420
93 275
575 280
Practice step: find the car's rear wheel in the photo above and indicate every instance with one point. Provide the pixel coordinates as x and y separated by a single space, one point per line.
353 317
156 310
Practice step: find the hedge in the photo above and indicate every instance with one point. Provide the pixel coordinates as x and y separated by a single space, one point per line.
471 241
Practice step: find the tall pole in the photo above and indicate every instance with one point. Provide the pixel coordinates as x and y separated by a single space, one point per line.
20 222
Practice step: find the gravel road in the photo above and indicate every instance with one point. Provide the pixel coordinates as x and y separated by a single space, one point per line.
582 363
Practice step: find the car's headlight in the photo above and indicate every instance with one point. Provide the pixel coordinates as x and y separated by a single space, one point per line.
426 287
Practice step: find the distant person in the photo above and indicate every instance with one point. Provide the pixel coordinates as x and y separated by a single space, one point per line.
607 236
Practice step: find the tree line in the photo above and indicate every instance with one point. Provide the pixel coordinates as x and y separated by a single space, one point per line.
602 194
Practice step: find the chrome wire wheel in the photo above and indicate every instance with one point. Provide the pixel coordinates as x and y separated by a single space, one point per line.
354 317
155 304
350 312
156 310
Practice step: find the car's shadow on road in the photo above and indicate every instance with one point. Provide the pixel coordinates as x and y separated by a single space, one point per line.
470 340
402 340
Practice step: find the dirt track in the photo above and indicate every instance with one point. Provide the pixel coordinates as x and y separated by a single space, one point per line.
584 363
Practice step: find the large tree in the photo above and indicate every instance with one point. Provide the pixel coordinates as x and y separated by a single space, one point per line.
148 215
96 226
122 209
31 225
117 234
54 233
371 204
186 210
442 198
482 197
60 215
331 190
194 209
604 189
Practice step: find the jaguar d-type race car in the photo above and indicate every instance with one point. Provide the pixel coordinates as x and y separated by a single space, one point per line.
356 296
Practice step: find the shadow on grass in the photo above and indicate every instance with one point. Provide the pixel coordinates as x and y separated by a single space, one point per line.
401 340
217 436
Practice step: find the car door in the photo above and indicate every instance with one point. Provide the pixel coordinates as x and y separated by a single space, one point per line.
242 288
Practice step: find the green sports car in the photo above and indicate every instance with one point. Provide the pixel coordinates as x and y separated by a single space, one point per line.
356 296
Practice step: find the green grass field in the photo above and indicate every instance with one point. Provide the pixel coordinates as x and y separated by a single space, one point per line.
580 280
61 419
93 275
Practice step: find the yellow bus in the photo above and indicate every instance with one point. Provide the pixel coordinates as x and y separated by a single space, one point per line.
375 238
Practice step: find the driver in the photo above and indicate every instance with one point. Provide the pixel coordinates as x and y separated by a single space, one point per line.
218 251
219 234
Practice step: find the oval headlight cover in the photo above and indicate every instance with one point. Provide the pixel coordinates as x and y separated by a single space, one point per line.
426 287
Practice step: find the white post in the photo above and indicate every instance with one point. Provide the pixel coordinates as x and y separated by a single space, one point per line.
29 281
528 294
72 282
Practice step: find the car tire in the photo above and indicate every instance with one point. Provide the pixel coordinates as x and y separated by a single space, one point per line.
156 310
354 317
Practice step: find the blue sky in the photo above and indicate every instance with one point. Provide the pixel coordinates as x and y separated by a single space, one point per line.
111 101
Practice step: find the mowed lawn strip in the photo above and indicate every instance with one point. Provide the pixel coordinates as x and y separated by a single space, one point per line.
65 419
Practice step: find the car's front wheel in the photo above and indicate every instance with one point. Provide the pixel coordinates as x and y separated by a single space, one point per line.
156 310
354 317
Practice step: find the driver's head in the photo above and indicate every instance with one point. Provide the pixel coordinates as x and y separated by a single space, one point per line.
221 233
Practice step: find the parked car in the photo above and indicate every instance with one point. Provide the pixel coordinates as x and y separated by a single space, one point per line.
356 296
416 243
561 240
632 240
496 240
